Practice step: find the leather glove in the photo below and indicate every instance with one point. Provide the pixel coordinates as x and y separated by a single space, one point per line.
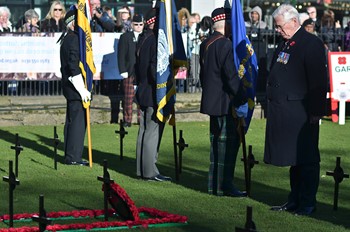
124 75
242 110
78 84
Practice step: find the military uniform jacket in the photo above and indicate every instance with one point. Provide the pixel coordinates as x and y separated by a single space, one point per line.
296 90
127 53
146 63
69 55
219 78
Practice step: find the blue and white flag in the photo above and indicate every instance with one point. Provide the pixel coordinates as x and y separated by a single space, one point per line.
87 65
244 57
170 54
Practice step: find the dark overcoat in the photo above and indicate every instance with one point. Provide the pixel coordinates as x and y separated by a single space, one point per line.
126 53
296 91
69 55
49 25
145 68
221 88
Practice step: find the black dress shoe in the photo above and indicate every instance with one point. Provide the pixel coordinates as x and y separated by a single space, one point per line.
236 193
305 211
81 163
289 206
126 124
160 178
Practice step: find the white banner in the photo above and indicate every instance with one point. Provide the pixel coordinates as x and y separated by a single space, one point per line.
31 57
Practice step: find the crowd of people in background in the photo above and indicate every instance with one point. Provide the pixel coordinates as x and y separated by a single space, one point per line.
207 47
193 27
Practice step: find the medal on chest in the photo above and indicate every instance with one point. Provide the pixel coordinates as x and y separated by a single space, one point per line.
284 55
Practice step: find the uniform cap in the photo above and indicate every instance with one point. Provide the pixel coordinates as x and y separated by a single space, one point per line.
221 14
308 22
70 16
137 18
151 16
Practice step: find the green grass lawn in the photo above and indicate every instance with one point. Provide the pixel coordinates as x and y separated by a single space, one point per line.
72 187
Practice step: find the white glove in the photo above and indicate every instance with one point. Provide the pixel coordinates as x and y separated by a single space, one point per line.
124 75
242 111
78 84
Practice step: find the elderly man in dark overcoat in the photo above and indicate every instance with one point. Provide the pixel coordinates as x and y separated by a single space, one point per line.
222 93
296 99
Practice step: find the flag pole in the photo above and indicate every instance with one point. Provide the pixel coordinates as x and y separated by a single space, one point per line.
89 135
88 128
86 59
241 123
176 159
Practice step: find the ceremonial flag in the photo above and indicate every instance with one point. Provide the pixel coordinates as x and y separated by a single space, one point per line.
87 65
170 55
244 57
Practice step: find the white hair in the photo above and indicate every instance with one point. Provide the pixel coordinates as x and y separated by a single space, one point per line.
303 16
5 9
287 11
219 24
71 25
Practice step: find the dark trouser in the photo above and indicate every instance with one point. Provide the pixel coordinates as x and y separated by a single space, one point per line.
225 142
304 181
148 142
74 131
128 86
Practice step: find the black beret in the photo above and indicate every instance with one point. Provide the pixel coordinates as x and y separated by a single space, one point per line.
221 14
308 22
70 16
151 16
137 18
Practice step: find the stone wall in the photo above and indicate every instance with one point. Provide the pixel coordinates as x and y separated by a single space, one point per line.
50 110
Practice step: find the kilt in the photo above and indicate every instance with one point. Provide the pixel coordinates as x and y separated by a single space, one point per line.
224 145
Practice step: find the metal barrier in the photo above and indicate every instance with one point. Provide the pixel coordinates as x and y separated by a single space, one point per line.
54 88
264 43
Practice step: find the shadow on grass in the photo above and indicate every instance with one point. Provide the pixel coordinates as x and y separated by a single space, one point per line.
275 196
190 177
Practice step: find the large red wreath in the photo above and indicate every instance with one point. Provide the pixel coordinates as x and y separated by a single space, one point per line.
121 204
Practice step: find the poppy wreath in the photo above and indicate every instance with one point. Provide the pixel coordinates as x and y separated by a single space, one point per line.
119 199
121 202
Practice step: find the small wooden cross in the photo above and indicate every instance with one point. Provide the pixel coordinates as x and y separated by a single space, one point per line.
182 145
18 148
107 187
250 164
249 225
56 141
11 179
122 132
42 219
338 176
